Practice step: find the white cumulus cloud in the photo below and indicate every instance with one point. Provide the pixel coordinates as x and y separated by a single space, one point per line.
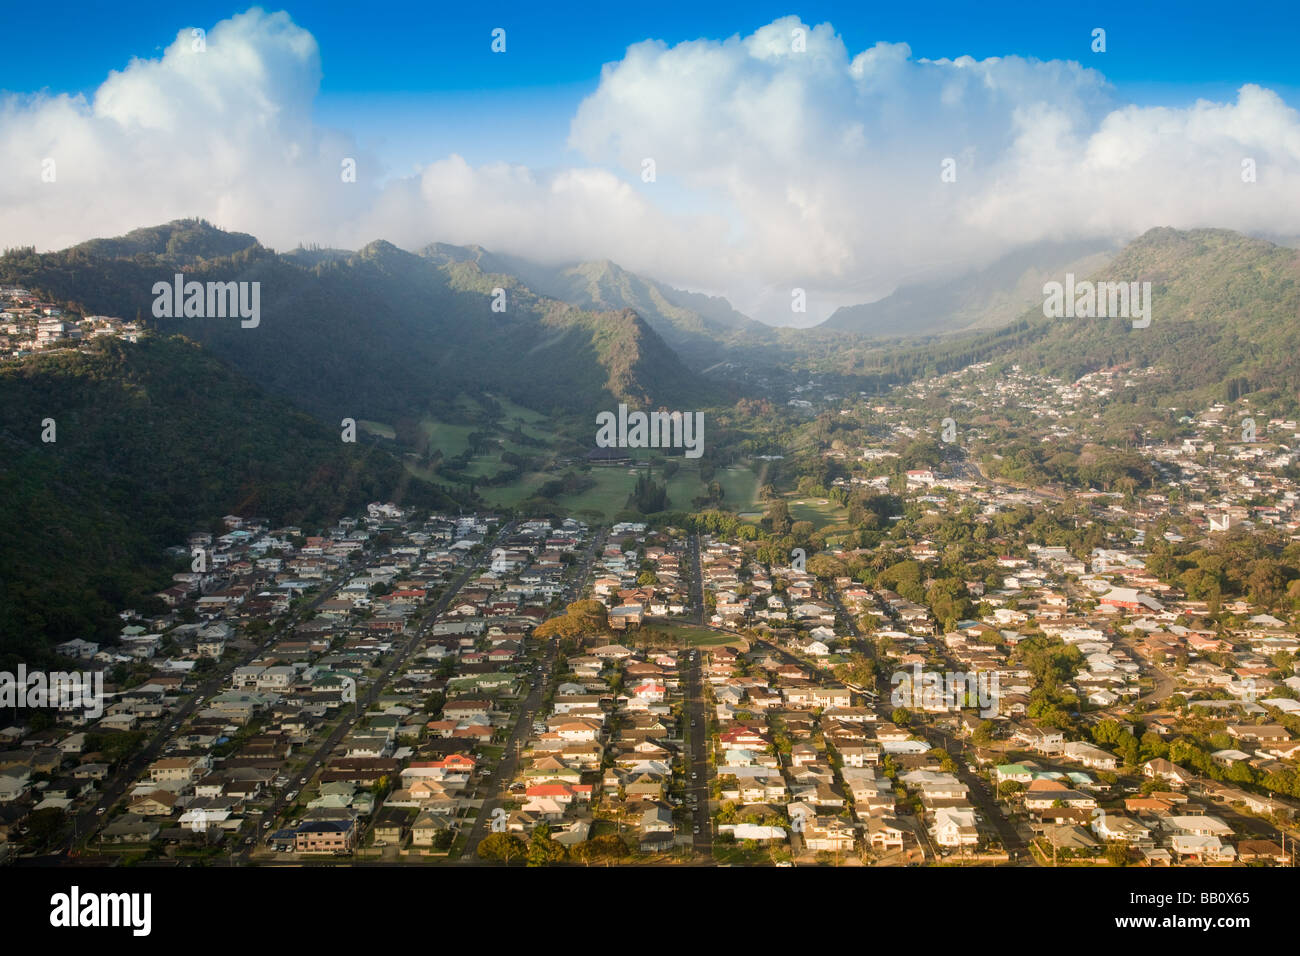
783 159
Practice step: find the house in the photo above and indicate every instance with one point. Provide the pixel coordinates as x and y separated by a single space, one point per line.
885 833
1116 828
955 827
1263 733
1089 755
828 834
562 793
1195 847
1250 851
752 831
131 828
178 769
325 836
1163 769
13 784
1044 794
159 803
656 829
427 827
389 826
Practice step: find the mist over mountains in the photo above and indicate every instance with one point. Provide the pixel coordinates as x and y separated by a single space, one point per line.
979 300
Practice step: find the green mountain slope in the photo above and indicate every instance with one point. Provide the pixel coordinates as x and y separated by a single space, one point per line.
1225 323
378 334
985 299
1225 318
153 441
698 327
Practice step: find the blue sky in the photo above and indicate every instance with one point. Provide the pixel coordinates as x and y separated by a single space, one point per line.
777 168
416 80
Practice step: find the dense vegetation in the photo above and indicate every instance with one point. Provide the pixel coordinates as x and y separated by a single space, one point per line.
152 441
377 334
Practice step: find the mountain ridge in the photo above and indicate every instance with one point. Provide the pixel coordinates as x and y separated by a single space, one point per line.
377 333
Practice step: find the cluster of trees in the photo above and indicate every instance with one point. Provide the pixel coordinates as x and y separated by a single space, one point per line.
570 483
648 496
1257 565
1028 461
1193 752
580 619
1053 663
541 849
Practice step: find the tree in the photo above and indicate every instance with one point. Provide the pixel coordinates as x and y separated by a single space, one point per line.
825 567
543 850
778 517
858 670
602 849
802 531
501 847
44 825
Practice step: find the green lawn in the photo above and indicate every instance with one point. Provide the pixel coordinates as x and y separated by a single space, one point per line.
740 488
609 494
693 635
450 439
739 483
820 511
377 428
737 854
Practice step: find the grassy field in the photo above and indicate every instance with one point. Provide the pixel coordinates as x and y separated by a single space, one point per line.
450 439
377 428
532 423
608 496
745 854
613 484
692 635
820 511
740 487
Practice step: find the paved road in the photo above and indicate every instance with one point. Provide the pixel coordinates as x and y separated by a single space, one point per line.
505 771
528 711
982 797
363 703
86 823
1164 682
697 762
697 577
